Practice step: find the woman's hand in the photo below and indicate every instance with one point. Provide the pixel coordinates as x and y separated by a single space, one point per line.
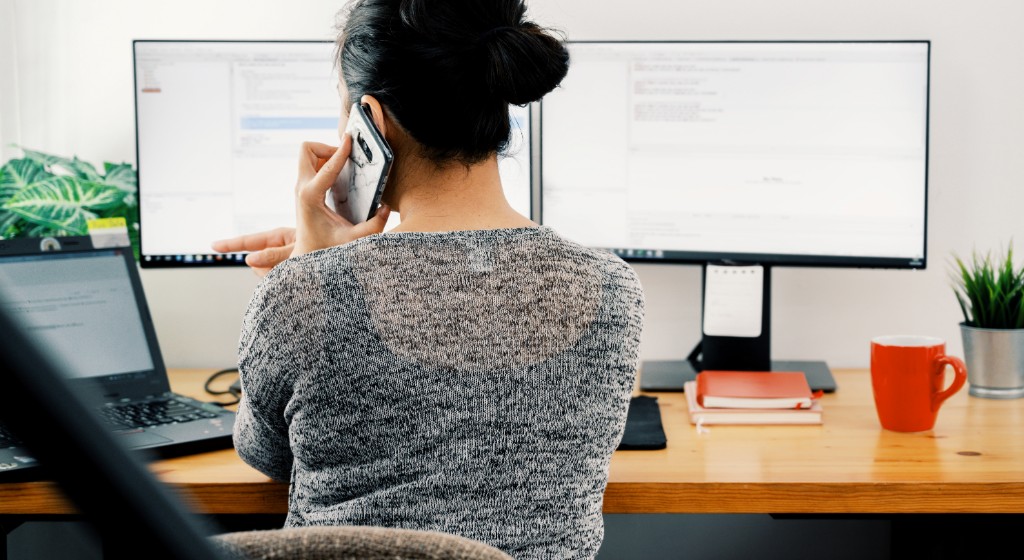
268 248
319 227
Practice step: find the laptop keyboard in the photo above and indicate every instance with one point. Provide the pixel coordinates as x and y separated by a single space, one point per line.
152 413
136 415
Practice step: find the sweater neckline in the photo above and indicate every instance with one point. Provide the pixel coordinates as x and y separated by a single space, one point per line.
462 233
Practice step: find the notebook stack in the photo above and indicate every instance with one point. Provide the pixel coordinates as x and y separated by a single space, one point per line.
752 398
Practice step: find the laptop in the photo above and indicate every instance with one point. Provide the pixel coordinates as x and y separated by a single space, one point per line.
84 305
131 511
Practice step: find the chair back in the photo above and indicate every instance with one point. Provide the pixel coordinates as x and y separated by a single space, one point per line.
352 543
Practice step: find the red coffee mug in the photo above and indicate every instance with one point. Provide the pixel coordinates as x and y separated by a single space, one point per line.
907 374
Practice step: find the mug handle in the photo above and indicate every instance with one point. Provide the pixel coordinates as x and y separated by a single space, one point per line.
960 371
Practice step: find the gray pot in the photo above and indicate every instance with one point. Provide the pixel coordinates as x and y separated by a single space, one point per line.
995 362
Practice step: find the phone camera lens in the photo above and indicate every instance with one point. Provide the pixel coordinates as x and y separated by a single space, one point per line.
364 147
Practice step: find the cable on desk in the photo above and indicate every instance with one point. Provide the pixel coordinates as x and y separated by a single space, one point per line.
234 390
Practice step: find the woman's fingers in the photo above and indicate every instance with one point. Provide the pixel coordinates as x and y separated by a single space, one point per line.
318 226
318 159
373 225
256 241
269 258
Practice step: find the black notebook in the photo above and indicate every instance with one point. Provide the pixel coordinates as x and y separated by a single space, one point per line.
643 425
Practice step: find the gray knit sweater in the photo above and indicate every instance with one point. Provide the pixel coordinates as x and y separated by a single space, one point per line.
471 382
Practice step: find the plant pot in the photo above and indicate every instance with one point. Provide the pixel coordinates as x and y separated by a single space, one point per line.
995 362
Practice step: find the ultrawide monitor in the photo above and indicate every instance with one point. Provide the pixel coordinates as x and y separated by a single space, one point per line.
218 130
784 153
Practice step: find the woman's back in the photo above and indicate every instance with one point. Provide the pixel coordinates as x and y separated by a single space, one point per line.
468 372
471 382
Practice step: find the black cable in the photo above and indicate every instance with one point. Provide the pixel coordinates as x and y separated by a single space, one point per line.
234 390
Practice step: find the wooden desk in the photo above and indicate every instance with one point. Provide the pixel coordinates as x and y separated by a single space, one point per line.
972 462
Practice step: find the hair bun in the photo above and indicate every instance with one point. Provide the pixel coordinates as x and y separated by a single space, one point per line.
480 56
523 63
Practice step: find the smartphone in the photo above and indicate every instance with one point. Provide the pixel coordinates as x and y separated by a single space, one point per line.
357 192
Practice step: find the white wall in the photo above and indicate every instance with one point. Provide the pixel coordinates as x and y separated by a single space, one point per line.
8 99
72 78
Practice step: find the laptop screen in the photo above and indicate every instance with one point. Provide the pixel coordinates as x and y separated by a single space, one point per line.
81 308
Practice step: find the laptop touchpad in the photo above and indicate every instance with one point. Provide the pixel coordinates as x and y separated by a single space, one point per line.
140 438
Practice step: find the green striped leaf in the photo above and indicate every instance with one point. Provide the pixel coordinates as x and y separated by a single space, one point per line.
46 231
74 166
18 174
9 224
64 203
122 176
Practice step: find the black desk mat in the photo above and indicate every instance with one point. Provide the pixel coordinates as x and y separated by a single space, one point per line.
643 425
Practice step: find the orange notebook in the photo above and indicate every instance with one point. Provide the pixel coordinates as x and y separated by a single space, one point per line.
749 416
753 389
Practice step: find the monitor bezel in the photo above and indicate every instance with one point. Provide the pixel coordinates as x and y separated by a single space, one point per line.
769 259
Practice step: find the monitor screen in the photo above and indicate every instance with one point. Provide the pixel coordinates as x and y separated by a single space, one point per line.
218 129
795 153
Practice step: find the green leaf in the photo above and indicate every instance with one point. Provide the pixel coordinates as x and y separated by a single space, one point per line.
47 231
133 235
74 166
990 291
963 307
85 170
9 222
64 203
17 174
1019 322
122 176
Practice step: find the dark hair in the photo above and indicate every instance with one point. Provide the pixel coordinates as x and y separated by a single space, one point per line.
447 70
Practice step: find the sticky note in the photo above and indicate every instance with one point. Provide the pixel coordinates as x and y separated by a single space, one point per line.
108 232
733 299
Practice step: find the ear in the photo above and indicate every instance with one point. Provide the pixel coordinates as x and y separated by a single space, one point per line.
376 113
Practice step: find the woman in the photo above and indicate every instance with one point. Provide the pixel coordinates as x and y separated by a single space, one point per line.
468 371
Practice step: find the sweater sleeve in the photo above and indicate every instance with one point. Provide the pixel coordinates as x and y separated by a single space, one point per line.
274 350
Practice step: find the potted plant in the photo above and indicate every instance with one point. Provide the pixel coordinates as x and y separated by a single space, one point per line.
45 195
991 295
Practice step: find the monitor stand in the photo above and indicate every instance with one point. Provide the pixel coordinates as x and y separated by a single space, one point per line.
746 353
669 375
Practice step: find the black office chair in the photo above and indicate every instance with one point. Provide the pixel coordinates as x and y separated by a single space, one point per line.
134 513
